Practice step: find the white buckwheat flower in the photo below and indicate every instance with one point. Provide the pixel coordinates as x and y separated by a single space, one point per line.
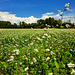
26 58
31 62
43 37
12 57
34 60
52 53
39 39
31 43
71 65
46 34
73 71
50 74
36 50
16 51
20 63
26 68
47 49
47 58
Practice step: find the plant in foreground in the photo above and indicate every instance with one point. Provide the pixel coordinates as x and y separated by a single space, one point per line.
65 9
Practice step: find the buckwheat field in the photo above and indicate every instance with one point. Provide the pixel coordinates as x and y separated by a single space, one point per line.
37 51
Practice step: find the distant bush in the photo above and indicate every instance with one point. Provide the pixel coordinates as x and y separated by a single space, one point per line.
61 26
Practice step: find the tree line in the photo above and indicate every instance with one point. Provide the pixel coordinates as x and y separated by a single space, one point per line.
41 23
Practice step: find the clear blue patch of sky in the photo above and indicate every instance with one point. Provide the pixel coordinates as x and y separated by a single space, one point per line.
27 8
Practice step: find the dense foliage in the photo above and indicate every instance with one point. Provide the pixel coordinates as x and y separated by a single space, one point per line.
40 24
37 52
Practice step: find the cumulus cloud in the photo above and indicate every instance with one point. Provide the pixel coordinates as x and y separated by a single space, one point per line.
6 16
46 15
66 17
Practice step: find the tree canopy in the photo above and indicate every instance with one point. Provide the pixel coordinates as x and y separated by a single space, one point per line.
41 23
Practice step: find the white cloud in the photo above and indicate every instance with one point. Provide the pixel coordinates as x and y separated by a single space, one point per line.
46 15
6 16
66 17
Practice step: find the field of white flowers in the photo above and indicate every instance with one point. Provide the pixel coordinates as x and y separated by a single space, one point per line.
37 51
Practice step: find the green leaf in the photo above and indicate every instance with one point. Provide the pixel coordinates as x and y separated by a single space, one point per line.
56 64
31 71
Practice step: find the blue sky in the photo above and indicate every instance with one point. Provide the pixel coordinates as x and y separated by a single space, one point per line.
24 10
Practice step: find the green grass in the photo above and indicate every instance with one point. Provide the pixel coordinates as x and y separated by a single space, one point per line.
37 51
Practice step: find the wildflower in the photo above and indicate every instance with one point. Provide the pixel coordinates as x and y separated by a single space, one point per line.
39 71
26 58
16 51
67 9
39 39
36 50
16 44
43 37
59 11
67 5
28 53
10 60
42 59
34 60
50 47
57 25
47 58
73 71
50 74
39 56
15 63
20 63
31 43
71 50
46 34
52 53
27 74
44 28
31 28
26 40
0 30
54 58
26 68
47 50
31 62
12 57
71 65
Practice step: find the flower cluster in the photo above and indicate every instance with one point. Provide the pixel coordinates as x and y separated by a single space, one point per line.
47 58
11 58
71 65
36 50
34 60
28 55
16 51
67 5
65 9
26 68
